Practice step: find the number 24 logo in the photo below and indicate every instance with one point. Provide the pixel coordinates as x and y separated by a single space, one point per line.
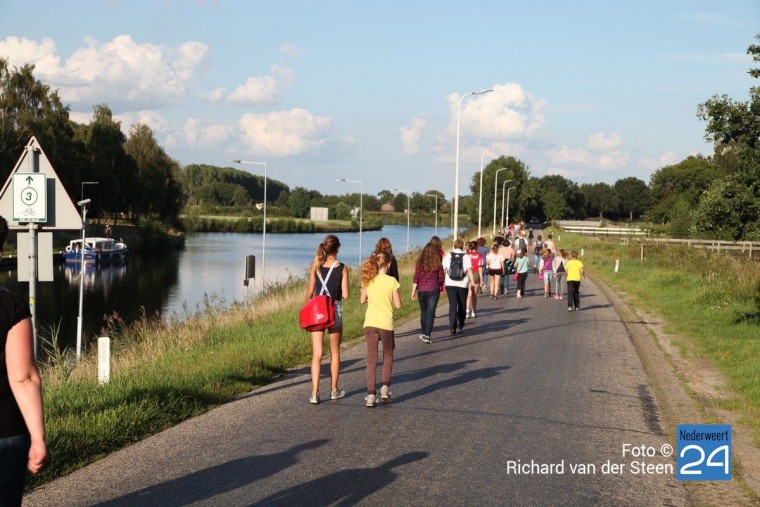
686 469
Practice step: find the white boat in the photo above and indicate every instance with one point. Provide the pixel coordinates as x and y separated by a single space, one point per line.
95 250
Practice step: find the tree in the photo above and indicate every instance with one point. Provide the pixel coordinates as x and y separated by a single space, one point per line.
634 195
517 171
160 192
29 108
111 167
385 196
600 199
684 183
729 208
399 201
555 206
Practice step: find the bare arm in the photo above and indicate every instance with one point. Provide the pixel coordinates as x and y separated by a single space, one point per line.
344 282
363 296
312 284
414 291
396 298
27 389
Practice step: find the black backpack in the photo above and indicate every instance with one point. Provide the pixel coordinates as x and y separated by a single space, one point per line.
456 267
509 267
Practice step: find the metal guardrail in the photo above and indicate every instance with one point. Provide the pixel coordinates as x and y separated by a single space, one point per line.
606 231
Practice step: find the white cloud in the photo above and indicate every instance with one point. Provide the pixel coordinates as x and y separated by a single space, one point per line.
121 72
598 142
195 134
565 156
292 51
410 135
509 112
216 95
21 51
652 164
256 90
282 73
284 133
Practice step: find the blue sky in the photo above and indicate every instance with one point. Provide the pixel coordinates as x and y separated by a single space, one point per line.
592 90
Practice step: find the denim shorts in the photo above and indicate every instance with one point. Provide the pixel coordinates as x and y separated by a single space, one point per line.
338 305
548 276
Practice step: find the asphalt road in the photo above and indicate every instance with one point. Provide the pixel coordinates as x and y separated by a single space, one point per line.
513 411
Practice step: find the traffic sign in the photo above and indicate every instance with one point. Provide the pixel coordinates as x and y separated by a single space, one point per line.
29 197
40 200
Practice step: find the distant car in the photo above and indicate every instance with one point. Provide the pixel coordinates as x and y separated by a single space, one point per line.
534 220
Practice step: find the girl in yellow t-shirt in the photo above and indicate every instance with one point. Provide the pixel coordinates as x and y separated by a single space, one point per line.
381 293
575 274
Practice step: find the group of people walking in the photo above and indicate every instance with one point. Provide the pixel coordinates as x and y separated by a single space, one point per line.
462 274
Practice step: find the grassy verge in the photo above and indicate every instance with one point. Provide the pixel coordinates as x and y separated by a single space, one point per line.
711 303
165 372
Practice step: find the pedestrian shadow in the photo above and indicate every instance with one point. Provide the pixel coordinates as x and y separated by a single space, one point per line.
593 307
459 379
212 481
347 487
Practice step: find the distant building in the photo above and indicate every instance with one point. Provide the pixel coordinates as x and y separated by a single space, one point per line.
387 208
319 214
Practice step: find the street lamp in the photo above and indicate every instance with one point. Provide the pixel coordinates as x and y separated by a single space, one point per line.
361 211
83 205
455 232
436 211
495 192
480 192
264 234
408 214
81 198
503 187
508 190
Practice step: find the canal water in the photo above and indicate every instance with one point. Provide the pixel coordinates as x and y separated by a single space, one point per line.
211 267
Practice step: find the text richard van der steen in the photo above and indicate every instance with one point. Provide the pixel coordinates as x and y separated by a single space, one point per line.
704 454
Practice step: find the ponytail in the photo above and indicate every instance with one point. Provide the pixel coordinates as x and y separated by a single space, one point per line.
372 265
320 256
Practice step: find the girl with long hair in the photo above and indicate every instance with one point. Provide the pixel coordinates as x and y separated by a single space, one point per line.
560 272
381 292
477 276
426 288
330 275
495 263
384 245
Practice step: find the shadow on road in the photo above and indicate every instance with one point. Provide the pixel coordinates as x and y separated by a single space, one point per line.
215 480
347 487
458 379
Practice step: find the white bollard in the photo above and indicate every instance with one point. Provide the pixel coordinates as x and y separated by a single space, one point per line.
583 251
617 265
104 360
559 238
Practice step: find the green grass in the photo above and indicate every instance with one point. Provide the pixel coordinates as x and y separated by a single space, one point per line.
711 303
165 372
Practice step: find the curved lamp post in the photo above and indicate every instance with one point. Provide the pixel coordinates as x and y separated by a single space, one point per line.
436 211
408 213
495 193
454 231
480 193
361 211
264 235
508 190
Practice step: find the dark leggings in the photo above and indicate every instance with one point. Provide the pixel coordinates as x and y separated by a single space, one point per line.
573 294
521 282
374 335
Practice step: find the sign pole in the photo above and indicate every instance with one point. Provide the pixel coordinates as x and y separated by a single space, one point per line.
34 167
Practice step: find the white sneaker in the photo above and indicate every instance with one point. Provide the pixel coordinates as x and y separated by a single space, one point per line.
473 314
385 394
370 400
